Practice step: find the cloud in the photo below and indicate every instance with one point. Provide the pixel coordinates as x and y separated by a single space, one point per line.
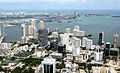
83 1
60 1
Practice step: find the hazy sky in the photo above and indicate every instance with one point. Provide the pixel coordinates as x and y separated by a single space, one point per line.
59 4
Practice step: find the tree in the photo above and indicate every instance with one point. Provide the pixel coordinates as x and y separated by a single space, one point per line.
17 70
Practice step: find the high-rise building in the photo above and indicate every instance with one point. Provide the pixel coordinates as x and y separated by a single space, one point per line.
23 29
35 32
53 44
76 27
57 30
49 65
101 38
107 49
76 45
24 40
98 54
0 31
54 34
78 32
84 40
89 44
33 22
48 29
115 40
41 25
62 49
67 30
42 37
30 30
65 40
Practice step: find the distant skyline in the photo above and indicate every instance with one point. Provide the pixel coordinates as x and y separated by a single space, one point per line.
59 4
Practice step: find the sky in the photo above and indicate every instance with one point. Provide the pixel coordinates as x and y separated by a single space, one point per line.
59 4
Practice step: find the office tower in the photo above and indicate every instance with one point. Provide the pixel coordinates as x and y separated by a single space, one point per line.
108 45
67 30
61 49
115 40
53 44
41 25
101 38
42 37
49 65
114 52
107 49
23 29
98 54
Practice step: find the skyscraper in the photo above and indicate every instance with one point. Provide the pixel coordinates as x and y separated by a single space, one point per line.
115 40
23 29
98 54
41 25
43 37
67 30
101 38
32 30
33 22
49 65
107 49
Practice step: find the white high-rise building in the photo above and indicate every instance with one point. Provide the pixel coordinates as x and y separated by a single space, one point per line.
98 54
76 42
84 40
41 25
49 65
23 29
67 30
78 33
88 43
76 27
64 39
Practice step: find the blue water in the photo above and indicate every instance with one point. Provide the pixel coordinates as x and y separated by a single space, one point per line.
91 25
